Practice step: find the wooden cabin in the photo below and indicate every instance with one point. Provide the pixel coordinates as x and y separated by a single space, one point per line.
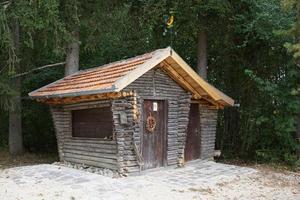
144 112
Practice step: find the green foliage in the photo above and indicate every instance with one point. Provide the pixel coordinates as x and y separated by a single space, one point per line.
294 30
38 132
40 28
266 82
252 49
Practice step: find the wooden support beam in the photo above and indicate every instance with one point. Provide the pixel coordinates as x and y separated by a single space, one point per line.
208 103
208 100
78 99
213 92
178 78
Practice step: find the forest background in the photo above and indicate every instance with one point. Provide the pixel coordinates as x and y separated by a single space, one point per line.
251 49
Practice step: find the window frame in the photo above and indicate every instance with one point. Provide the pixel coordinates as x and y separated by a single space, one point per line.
107 135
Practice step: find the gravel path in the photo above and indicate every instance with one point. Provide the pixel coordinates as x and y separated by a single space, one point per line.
197 180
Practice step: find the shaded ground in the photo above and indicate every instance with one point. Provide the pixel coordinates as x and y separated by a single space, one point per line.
277 167
7 161
198 180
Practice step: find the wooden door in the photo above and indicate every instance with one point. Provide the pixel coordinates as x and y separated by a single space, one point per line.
193 140
154 141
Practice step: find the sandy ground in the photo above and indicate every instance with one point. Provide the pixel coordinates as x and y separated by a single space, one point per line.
198 180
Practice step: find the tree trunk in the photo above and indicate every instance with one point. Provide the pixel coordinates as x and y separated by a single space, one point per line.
15 122
298 132
298 63
298 117
72 59
202 54
15 119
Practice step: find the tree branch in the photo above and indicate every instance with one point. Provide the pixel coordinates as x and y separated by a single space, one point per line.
39 68
5 4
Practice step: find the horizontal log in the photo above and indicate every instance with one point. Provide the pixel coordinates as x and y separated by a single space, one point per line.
90 153
101 146
133 169
90 140
62 118
87 105
130 163
91 149
91 158
92 163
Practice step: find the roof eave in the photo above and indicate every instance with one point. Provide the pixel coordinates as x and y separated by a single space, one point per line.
222 99
72 94
226 103
216 95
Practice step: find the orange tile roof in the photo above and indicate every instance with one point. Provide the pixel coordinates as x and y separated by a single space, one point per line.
114 77
99 78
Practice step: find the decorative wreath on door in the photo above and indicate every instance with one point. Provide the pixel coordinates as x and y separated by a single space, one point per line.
150 123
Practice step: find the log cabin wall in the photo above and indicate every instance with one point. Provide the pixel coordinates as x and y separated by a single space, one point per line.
63 126
208 126
123 153
90 151
123 122
156 84
124 133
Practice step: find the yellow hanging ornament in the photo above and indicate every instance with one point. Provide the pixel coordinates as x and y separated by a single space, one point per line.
170 21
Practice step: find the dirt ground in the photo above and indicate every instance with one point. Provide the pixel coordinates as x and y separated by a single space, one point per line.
196 181
7 161
264 184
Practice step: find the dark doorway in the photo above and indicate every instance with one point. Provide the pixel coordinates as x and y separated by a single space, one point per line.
154 133
193 139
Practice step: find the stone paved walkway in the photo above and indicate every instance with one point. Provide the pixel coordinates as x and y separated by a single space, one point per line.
198 173
194 181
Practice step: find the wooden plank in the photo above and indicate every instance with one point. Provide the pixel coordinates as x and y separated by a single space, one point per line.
90 140
154 144
89 157
102 146
86 105
90 153
91 149
84 98
92 163
205 102
193 139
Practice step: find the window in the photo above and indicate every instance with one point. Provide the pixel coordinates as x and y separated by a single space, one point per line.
92 123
